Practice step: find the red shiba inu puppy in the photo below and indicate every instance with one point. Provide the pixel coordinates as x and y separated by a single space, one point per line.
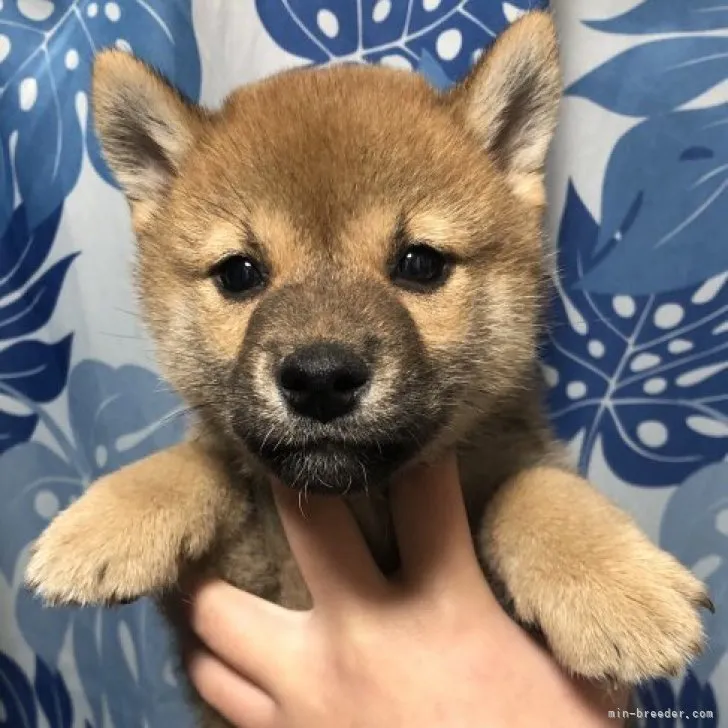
344 273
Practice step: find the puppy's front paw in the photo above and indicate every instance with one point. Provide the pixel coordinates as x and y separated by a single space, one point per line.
609 602
630 614
109 547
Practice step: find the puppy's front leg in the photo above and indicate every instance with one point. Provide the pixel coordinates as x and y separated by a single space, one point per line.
609 602
129 533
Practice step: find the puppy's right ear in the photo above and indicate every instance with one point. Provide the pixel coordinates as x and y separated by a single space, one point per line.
144 125
510 101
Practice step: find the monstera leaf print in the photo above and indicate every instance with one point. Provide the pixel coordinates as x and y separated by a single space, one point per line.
17 701
30 371
52 695
46 49
657 16
656 77
22 702
664 198
117 416
693 699
694 528
387 31
648 375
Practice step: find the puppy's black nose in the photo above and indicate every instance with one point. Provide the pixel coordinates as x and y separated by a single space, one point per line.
323 381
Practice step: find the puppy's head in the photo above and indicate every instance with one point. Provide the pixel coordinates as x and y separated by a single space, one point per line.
340 266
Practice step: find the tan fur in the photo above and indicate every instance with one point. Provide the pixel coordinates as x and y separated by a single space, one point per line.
610 602
322 176
152 538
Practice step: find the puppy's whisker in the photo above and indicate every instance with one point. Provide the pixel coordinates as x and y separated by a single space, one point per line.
265 439
133 314
348 487
364 475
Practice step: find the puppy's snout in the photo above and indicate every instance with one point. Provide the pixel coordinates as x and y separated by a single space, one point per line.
323 381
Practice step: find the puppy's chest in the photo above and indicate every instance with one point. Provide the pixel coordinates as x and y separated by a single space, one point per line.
255 555
374 520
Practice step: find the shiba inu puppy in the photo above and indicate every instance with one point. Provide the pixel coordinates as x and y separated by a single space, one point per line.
344 273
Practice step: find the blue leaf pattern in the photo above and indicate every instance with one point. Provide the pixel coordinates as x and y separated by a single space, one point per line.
23 251
656 77
124 655
694 700
647 374
53 696
433 72
665 193
691 530
323 31
35 370
654 697
44 81
698 699
20 698
657 16
106 433
15 429
29 370
26 314
17 701
636 356
41 484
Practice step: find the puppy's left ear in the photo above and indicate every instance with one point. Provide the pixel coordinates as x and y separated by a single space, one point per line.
510 101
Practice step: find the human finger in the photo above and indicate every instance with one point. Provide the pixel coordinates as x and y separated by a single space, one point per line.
431 524
329 548
238 700
251 635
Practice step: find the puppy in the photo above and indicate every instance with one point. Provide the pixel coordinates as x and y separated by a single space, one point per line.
343 270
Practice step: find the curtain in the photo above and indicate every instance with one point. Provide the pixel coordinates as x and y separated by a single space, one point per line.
635 358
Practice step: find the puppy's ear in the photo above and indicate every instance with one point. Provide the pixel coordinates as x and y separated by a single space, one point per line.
144 125
510 101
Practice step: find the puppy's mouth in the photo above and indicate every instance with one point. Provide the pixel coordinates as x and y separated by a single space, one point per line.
334 467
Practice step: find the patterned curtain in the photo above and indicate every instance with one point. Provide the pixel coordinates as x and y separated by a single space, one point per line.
636 358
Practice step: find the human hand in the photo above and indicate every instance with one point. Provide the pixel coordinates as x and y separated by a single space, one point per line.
430 649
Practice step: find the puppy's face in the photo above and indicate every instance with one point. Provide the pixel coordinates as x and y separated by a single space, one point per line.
340 266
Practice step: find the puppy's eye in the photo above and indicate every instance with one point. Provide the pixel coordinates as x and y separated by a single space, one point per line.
238 274
421 267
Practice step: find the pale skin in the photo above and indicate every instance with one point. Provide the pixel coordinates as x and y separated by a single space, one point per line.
429 649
